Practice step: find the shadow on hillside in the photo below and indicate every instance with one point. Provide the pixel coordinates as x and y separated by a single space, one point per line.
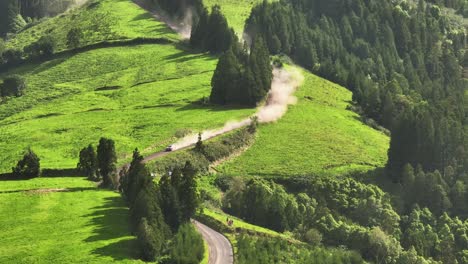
110 222
182 56
124 249
51 190
143 16
209 107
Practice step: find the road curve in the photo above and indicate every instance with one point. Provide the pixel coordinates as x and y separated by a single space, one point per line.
220 249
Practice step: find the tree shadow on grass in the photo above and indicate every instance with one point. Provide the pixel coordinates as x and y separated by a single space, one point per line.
122 250
110 222
210 107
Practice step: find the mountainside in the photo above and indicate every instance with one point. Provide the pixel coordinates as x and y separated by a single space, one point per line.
294 131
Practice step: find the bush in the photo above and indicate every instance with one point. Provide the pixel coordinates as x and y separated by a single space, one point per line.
44 47
74 37
28 167
12 56
188 246
13 86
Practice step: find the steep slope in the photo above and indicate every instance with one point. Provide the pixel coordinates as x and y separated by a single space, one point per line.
99 20
318 135
139 95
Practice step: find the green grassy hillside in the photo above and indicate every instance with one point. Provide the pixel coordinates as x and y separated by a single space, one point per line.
99 20
318 136
235 11
79 224
140 96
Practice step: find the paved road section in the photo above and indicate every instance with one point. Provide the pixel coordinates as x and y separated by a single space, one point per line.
220 250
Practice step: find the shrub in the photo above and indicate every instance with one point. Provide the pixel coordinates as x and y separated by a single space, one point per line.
188 246
28 166
44 47
12 56
13 86
74 37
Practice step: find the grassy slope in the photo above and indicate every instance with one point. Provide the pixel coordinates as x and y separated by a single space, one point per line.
236 11
62 111
108 20
318 135
84 225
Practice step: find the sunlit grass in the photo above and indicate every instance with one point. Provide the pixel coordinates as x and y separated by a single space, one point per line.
81 224
106 20
316 136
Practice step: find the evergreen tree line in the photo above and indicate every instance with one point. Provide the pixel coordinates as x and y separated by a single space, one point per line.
100 164
345 212
439 192
242 78
402 61
160 212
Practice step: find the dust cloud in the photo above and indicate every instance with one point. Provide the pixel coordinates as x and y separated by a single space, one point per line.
281 95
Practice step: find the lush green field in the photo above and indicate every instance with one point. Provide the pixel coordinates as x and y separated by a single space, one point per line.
236 11
153 94
106 20
80 224
317 135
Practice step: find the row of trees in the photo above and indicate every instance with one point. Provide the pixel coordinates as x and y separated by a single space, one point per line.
402 62
242 78
100 165
158 211
441 192
339 212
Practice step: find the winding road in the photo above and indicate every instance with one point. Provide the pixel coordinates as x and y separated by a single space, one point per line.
220 250
219 247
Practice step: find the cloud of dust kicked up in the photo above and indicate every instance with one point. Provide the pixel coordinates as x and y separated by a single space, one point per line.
284 84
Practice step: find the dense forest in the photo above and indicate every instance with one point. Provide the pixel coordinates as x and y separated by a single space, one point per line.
403 63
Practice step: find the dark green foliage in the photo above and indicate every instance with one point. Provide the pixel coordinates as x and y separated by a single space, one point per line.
241 78
211 32
107 159
133 179
399 59
149 240
28 167
187 246
170 204
43 48
13 86
12 56
275 250
74 37
88 163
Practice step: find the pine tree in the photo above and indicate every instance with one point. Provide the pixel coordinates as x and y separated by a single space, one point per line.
107 159
226 78
88 163
260 65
